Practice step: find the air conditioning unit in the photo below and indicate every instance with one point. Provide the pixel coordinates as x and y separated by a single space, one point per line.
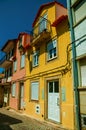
83 120
37 109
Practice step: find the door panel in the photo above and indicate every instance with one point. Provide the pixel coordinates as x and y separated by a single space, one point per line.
53 101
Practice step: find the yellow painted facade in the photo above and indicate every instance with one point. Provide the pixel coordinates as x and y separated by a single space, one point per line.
56 69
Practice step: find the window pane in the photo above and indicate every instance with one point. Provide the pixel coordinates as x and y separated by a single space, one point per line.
56 87
35 58
50 54
50 87
34 90
80 11
83 75
22 61
51 49
54 51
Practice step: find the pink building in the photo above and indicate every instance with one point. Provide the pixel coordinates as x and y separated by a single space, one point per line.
17 86
7 63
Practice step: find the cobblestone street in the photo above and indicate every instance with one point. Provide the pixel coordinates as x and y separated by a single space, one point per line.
11 120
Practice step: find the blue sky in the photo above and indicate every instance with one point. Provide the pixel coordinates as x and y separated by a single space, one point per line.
17 16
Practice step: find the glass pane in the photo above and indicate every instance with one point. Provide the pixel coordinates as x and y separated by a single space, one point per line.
50 53
50 87
83 75
54 51
22 61
56 87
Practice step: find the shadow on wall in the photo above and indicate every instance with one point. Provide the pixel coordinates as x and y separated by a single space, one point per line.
62 27
6 121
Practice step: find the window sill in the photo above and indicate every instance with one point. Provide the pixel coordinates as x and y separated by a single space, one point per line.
13 96
22 67
35 66
34 100
48 60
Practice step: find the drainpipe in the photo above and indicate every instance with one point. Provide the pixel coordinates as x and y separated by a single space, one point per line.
75 71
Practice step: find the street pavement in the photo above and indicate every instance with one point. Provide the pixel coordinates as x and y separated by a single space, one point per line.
12 120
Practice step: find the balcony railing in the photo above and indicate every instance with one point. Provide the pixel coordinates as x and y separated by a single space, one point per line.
41 32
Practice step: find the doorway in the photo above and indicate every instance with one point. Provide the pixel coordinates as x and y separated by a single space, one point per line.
53 101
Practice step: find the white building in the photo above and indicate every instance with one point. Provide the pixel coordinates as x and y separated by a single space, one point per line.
77 19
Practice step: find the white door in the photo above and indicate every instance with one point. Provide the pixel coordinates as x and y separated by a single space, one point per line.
21 96
53 101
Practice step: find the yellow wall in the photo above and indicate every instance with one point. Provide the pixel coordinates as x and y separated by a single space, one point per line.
43 73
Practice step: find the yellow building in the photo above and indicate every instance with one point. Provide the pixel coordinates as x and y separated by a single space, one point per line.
48 82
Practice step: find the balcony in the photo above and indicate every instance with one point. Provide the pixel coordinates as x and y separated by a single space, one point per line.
6 61
6 81
6 78
42 32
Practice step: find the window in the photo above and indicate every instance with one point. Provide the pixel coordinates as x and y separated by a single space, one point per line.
43 23
13 89
35 58
15 65
52 50
22 61
53 86
83 72
79 11
34 90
